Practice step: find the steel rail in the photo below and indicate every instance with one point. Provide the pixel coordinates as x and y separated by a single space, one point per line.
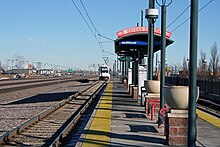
5 90
209 107
7 137
75 119
27 81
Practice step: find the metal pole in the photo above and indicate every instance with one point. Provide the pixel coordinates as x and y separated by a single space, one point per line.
120 66
163 50
136 70
141 55
142 21
150 42
156 65
192 75
133 70
115 70
123 69
116 67
127 63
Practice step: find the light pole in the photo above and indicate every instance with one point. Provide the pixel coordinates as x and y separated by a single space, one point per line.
151 15
163 4
141 51
192 75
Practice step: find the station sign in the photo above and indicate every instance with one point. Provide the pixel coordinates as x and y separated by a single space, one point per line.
137 43
121 59
133 43
70 70
135 30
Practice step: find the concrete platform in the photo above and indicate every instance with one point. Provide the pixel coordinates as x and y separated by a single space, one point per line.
119 120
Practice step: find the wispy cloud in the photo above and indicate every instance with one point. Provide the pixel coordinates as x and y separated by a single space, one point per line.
35 40
32 40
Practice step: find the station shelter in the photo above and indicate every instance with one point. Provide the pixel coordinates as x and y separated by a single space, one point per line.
132 43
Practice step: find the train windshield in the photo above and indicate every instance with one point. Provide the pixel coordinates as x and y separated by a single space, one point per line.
104 70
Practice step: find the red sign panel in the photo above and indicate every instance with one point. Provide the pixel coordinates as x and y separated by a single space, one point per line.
139 30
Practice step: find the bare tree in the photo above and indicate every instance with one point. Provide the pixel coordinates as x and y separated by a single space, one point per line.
214 59
184 68
202 64
184 64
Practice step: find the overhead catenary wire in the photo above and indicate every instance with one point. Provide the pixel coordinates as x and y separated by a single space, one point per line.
190 17
106 42
178 16
84 20
96 30
109 53
106 37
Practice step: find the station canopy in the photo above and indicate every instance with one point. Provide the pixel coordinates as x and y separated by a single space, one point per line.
132 39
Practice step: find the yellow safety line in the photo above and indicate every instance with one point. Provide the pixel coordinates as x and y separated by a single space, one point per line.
99 131
209 118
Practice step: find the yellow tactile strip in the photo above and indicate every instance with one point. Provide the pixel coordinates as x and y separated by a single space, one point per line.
99 131
209 118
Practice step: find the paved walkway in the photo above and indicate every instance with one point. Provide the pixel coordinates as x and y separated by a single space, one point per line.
121 121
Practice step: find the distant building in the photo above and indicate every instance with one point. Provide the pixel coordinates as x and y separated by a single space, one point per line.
1 70
19 71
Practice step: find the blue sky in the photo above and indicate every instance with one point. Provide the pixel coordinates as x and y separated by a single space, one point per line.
52 31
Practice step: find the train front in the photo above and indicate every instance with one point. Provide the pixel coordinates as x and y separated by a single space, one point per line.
104 73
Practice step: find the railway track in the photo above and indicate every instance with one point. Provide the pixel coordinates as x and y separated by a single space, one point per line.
47 128
25 81
28 85
209 107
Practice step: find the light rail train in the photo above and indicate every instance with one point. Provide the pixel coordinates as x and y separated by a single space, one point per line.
104 72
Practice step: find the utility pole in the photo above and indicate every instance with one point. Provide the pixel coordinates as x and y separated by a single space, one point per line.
141 51
163 6
150 42
192 73
142 18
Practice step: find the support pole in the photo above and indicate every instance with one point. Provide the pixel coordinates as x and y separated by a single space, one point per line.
125 65
136 70
141 55
129 62
192 73
123 69
163 52
150 42
133 70
142 18
117 68
120 67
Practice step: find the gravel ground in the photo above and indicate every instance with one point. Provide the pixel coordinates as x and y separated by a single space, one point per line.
17 107
25 83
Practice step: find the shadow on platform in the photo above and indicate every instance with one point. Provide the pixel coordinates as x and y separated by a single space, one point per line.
49 97
123 138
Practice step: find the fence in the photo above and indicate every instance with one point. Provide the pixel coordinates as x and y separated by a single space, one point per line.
211 86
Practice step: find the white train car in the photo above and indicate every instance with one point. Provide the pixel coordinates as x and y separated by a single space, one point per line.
104 72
